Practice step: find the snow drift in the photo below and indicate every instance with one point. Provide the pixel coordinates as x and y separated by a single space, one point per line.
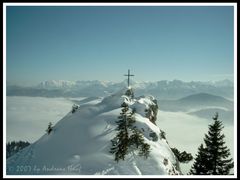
80 143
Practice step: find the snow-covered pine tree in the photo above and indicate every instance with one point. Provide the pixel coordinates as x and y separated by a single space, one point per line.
121 141
136 140
128 138
215 153
144 150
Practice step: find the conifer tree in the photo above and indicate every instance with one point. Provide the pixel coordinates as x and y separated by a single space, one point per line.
50 128
183 157
199 166
136 139
144 150
128 138
120 142
214 157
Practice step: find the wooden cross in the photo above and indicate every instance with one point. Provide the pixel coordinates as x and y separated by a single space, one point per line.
128 75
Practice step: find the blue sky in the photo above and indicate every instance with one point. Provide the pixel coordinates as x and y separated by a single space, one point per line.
102 43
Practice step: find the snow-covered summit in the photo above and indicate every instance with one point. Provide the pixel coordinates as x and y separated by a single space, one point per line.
80 143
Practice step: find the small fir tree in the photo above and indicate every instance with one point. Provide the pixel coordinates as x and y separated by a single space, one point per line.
136 139
182 157
50 128
162 134
144 150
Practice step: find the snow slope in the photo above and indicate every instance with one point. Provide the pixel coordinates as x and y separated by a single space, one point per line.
80 144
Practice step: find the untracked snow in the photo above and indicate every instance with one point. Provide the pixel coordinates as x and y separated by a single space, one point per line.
80 143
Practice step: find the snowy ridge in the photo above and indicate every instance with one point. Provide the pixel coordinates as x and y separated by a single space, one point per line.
80 144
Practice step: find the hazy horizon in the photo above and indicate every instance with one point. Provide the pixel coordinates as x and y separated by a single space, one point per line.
137 81
191 43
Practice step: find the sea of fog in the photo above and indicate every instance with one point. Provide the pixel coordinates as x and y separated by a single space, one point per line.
186 133
27 119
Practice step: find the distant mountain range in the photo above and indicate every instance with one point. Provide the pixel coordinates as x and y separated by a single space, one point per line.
161 89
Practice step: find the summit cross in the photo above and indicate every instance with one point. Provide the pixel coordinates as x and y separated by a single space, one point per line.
128 75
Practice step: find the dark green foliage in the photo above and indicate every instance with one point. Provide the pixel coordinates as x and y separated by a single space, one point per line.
162 134
50 128
128 138
185 157
213 159
136 139
120 142
182 157
121 146
15 146
144 150
136 142
200 167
